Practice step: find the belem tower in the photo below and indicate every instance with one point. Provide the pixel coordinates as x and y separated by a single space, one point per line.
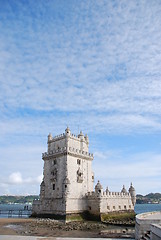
68 179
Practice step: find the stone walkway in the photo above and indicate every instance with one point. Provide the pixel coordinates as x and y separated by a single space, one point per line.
9 237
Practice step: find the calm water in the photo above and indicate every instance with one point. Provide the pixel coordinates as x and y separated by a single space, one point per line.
139 208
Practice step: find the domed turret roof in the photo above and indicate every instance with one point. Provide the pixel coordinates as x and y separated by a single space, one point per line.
80 134
67 130
123 189
50 136
98 185
131 188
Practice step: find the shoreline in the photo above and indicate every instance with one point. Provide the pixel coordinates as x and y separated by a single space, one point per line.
53 228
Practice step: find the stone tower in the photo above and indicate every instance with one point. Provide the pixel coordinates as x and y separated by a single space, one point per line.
67 175
67 186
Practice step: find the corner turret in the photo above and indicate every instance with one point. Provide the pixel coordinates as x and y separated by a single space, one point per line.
67 131
98 188
81 136
133 194
124 190
50 137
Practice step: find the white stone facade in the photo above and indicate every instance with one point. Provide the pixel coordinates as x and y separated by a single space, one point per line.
67 186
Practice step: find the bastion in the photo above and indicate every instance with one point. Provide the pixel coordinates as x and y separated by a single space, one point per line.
67 190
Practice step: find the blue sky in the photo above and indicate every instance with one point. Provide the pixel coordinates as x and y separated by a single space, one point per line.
92 65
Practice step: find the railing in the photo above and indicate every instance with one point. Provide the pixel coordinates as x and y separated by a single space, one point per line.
16 213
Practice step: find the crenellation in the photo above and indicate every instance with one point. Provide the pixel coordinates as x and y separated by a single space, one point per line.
67 186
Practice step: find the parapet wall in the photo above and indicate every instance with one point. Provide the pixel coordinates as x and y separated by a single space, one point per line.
144 221
105 194
155 231
72 136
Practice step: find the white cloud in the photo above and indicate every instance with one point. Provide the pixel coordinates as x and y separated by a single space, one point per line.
15 183
15 178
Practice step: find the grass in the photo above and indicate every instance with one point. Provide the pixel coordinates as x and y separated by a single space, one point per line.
122 216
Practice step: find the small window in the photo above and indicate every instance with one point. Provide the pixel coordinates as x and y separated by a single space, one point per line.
89 208
65 186
78 161
54 162
92 177
129 206
113 207
124 206
119 207
53 186
108 207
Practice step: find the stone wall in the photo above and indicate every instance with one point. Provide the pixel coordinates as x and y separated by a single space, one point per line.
109 202
155 233
144 222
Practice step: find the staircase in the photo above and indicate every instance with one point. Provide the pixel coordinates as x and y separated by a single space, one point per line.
146 236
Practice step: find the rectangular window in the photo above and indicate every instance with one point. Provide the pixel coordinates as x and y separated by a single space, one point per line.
108 207
124 206
78 161
119 207
113 207
53 186
54 162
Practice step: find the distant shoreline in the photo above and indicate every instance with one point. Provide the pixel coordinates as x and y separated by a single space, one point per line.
151 198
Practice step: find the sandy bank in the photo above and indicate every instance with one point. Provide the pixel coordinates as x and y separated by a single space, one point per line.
52 228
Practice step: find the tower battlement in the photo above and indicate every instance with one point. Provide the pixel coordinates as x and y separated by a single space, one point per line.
105 194
79 137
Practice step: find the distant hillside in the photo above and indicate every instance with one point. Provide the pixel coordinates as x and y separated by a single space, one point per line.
149 198
18 199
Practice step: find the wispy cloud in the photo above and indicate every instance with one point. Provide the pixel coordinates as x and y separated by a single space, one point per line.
139 168
93 65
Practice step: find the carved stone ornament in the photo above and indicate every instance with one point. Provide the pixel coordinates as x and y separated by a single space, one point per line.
79 176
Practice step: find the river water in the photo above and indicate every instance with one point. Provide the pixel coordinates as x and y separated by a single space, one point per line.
139 208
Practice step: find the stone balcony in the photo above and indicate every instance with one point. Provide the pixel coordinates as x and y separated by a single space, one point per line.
67 150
